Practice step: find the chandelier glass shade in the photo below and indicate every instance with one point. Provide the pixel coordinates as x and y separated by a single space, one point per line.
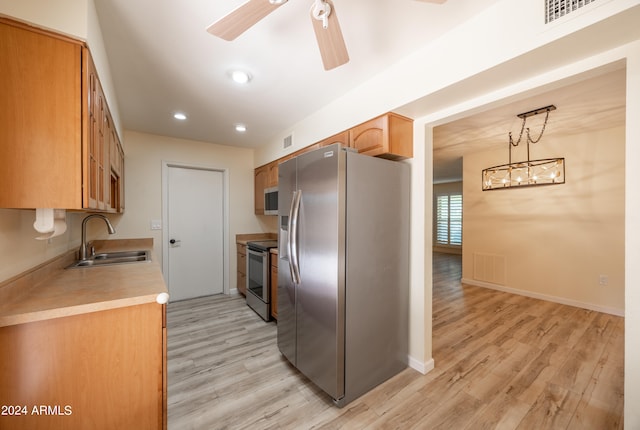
548 171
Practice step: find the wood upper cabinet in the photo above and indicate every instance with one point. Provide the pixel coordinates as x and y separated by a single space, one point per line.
342 138
103 163
260 181
387 136
40 117
103 369
54 122
263 177
272 177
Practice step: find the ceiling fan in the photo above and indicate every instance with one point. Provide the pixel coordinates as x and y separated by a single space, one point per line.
323 16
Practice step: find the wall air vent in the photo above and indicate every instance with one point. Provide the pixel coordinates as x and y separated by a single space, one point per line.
555 9
288 141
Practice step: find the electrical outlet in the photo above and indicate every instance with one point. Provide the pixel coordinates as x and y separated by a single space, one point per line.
603 280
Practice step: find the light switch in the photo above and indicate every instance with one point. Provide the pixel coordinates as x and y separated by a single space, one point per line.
156 224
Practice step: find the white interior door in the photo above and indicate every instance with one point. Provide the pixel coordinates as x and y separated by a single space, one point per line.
195 231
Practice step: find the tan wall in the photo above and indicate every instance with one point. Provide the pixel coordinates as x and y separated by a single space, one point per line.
144 155
20 251
558 239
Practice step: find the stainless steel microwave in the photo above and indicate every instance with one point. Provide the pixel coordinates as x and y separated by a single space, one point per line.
271 201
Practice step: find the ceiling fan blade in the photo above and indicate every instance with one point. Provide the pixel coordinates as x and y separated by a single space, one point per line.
241 19
330 41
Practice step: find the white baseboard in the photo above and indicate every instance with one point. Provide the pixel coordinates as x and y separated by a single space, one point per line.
420 366
549 298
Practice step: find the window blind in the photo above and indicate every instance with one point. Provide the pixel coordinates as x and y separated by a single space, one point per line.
449 219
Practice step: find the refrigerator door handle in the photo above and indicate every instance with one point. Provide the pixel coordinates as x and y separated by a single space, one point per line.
289 226
293 236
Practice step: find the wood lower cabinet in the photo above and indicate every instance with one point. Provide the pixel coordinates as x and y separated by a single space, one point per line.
387 136
273 285
242 269
100 370
56 131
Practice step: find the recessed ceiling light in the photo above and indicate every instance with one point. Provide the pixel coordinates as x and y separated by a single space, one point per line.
240 76
180 116
241 128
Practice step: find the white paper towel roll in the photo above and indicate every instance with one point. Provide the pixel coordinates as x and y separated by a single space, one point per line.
59 227
44 220
51 222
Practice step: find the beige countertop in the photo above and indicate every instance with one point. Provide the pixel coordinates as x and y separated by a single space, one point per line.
242 239
51 291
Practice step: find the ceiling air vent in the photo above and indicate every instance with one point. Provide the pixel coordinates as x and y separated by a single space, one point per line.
288 141
555 9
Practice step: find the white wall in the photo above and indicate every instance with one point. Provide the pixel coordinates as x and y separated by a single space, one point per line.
144 155
556 240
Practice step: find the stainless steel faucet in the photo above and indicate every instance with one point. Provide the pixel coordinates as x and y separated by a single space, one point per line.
83 245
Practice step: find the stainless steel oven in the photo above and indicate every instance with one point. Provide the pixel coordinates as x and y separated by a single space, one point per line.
258 271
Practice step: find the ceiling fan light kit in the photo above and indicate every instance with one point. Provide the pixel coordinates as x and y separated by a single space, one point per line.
240 76
321 10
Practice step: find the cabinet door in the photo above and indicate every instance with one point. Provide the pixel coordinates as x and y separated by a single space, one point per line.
40 122
98 136
101 369
387 136
272 180
115 178
242 269
260 180
342 138
121 182
371 138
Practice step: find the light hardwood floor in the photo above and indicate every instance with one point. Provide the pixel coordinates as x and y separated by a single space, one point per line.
502 362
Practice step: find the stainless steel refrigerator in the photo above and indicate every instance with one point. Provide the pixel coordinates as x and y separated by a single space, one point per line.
343 272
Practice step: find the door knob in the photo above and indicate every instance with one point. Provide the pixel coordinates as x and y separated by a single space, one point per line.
173 241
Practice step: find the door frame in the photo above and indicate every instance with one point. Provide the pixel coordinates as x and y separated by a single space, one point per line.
166 165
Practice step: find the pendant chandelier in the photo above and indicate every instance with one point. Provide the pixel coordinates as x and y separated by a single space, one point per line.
549 171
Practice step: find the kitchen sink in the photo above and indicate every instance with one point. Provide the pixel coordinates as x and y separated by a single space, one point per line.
122 254
112 258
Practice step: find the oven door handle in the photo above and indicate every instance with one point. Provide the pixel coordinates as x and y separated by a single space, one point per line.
294 214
